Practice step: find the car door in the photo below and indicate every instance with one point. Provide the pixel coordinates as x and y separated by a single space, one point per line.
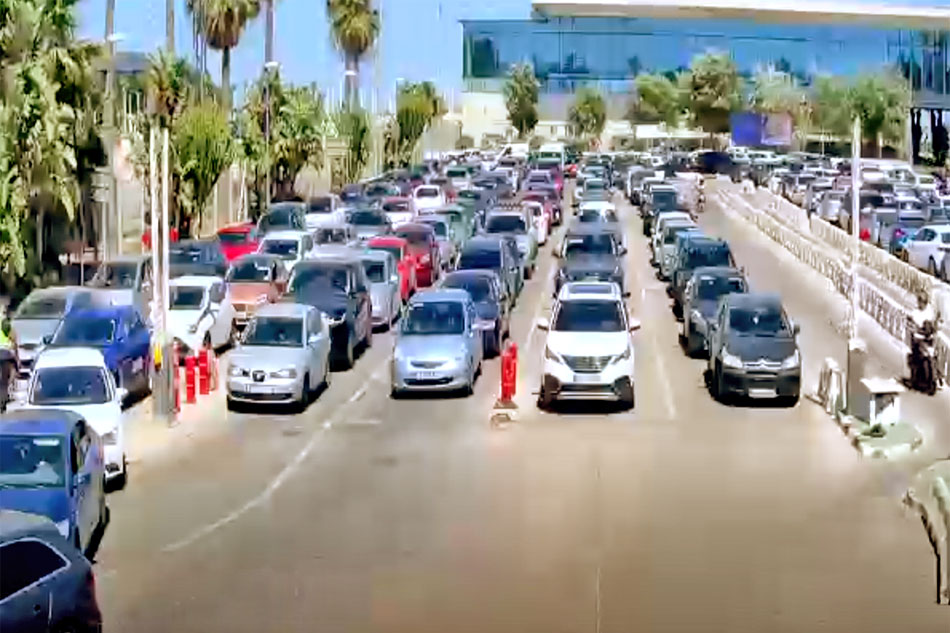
83 488
30 569
917 248
364 299
472 336
225 307
714 335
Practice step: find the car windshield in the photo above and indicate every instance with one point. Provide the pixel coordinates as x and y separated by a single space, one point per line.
41 307
396 207
595 244
505 224
320 205
670 232
279 216
589 316
318 277
664 199
250 271
234 237
63 386
712 256
763 319
710 288
186 297
79 330
274 332
286 249
594 185
427 192
480 259
32 461
368 218
375 271
415 238
115 275
456 173
434 318
395 251
478 287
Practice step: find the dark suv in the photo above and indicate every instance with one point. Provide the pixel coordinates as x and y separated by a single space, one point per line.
337 287
695 251
753 349
490 253
701 300
590 253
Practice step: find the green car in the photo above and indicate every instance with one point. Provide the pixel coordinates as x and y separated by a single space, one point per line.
468 214
459 229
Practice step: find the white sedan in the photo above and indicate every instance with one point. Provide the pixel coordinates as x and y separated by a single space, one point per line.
201 313
77 379
930 250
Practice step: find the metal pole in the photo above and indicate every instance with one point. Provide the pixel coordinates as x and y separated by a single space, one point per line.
855 222
166 378
109 127
267 166
155 313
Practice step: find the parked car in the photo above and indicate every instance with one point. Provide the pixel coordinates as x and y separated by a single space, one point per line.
351 194
666 245
589 352
492 309
51 464
337 286
119 333
446 243
540 218
48 584
458 177
929 250
283 216
201 314
438 346
660 223
238 240
380 269
38 317
426 198
518 224
255 280
593 189
197 257
405 261
377 191
77 379
829 206
125 280
489 253
753 349
323 209
290 246
701 301
369 223
692 253
550 199
283 357
425 250
588 253
334 234
398 209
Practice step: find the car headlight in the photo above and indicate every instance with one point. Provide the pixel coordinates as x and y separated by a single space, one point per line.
236 372
552 355
289 372
192 328
792 361
730 360
63 527
110 438
623 356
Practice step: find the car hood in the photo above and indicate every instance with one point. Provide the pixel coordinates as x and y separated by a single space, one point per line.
248 292
267 358
104 418
52 503
590 263
32 331
706 307
752 348
180 320
116 296
587 343
434 347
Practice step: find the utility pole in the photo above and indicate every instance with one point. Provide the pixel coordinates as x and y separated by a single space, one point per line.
156 312
856 348
110 207
269 65
170 26
167 353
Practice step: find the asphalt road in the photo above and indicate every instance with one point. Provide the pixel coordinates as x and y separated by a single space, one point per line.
366 514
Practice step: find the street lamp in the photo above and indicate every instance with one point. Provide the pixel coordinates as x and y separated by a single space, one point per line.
269 68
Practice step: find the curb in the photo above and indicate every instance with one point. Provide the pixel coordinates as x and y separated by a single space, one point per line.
880 447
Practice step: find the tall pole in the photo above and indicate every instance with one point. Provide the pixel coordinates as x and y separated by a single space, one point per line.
856 349
268 64
170 26
269 34
155 314
166 378
109 133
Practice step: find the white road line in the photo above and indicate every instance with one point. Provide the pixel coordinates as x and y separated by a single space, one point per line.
597 601
356 396
664 379
263 496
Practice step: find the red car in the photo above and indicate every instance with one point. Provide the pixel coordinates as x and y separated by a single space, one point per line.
425 251
405 261
239 239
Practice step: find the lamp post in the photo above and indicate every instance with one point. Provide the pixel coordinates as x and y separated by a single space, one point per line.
269 68
856 349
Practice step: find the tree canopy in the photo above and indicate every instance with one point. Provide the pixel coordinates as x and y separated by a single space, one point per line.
588 114
712 91
657 100
521 98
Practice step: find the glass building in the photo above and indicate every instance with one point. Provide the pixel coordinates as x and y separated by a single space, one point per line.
568 52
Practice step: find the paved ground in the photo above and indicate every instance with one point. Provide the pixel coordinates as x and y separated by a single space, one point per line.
365 514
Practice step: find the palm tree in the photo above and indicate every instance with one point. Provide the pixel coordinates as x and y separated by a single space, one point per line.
355 27
167 86
222 23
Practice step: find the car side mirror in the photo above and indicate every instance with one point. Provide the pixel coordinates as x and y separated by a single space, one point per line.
543 324
623 250
626 294
121 393
634 324
796 329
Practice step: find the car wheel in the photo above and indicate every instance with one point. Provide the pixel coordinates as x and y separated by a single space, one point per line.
693 344
528 272
306 391
545 399
945 270
626 396
325 384
719 384
791 401
932 267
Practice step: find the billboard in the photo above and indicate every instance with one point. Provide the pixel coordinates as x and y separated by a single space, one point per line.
755 129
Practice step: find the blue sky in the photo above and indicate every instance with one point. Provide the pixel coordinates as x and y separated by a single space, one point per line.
421 39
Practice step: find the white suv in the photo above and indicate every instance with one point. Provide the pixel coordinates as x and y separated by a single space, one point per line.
589 352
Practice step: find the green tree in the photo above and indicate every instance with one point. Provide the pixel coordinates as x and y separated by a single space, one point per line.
657 101
222 23
355 27
521 98
712 91
588 114
168 87
776 92
417 105
203 149
882 100
829 101
355 127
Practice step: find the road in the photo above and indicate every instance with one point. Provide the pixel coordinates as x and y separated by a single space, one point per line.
366 514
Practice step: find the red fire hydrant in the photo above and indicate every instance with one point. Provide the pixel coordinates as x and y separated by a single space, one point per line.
203 371
190 379
509 372
176 376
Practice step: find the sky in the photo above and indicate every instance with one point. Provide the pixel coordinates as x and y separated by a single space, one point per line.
420 39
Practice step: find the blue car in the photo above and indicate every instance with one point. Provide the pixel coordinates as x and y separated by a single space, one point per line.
51 464
119 333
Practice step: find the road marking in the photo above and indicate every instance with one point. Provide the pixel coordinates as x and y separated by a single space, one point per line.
263 496
667 387
597 601
356 396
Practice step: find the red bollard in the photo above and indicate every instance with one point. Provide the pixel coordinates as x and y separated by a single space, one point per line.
513 351
190 380
203 371
508 374
176 376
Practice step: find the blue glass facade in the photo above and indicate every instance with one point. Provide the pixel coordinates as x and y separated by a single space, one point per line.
567 52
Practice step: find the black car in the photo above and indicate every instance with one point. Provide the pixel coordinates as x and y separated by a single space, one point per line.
660 198
197 257
491 253
694 252
283 216
491 304
351 194
753 349
701 300
589 253
337 286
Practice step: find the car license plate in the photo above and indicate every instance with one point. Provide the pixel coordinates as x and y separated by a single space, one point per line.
426 375
260 389
759 392
586 379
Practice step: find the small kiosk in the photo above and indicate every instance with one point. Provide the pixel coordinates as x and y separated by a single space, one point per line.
878 401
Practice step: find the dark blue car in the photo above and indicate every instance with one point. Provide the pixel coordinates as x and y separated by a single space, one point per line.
119 333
